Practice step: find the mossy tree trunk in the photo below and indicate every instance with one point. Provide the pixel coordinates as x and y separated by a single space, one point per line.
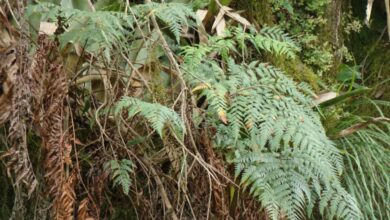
334 31
259 12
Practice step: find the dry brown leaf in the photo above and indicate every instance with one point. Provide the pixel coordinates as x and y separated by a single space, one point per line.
47 28
325 97
201 14
220 22
8 71
239 18
219 17
76 141
380 92
221 27
50 79
368 11
360 126
226 8
201 87
249 124
83 210
222 116
13 106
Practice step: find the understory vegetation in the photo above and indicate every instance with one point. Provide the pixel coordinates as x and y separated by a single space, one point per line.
194 109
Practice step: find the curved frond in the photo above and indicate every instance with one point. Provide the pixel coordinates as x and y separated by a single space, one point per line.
157 115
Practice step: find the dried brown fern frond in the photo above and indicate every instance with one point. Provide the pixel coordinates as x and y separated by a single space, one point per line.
14 103
63 207
18 210
83 210
50 113
221 199
8 70
17 156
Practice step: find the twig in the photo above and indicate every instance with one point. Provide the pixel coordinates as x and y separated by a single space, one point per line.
88 78
359 126
172 60
387 2
163 193
136 71
184 88
12 13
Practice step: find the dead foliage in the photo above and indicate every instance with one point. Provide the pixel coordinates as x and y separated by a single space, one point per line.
50 114
16 109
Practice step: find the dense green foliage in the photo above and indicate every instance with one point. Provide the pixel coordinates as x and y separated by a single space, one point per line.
368 153
276 140
159 111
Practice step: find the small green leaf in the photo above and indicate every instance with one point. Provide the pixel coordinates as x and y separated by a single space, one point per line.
348 73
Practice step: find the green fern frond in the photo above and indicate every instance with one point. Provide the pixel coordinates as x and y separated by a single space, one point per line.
274 40
92 30
337 202
120 173
106 29
281 151
157 115
175 15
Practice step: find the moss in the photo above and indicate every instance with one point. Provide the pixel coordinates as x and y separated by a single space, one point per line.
332 32
159 84
298 71
330 120
258 12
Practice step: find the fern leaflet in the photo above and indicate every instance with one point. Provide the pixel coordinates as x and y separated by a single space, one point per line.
120 171
157 115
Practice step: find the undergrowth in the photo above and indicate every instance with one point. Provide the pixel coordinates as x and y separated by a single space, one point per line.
139 110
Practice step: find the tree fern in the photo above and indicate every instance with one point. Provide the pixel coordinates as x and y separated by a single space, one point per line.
120 173
157 115
275 139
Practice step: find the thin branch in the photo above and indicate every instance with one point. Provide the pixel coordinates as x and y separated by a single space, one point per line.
387 2
172 60
163 193
359 126
88 78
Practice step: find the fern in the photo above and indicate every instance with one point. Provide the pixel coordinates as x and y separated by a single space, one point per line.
175 15
120 173
279 146
92 30
275 41
157 115
106 29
